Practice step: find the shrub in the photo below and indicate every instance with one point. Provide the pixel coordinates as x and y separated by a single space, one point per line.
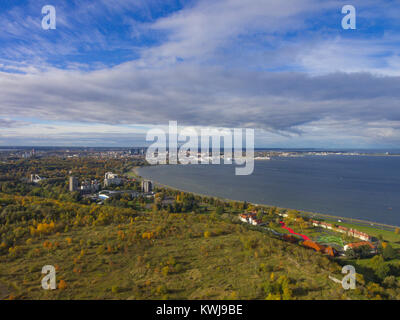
165 270
388 252
162 290
62 285
14 251
115 289
390 282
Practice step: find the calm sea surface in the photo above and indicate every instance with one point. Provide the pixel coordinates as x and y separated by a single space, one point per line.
363 187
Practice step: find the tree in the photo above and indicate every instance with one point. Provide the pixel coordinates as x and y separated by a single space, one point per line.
165 270
279 289
272 211
115 289
389 253
359 252
379 266
390 282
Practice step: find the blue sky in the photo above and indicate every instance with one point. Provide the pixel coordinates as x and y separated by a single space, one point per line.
112 70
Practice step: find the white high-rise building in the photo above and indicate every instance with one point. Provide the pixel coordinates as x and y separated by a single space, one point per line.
73 184
147 186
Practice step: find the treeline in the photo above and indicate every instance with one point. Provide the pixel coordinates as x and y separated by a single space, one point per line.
19 214
55 167
14 177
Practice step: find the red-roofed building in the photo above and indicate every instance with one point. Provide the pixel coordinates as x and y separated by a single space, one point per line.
359 234
256 222
360 244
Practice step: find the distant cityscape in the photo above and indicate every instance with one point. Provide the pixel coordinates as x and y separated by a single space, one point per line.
16 153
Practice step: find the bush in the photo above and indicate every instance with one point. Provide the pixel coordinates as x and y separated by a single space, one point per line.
389 253
165 270
390 282
62 285
162 290
379 266
115 289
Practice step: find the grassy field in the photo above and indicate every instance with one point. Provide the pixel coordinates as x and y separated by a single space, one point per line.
111 252
187 257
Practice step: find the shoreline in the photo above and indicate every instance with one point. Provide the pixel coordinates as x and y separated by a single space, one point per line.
345 220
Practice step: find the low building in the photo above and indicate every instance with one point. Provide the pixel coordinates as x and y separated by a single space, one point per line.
250 218
351 232
342 229
360 244
111 179
107 194
315 223
90 186
326 225
103 197
256 222
322 224
359 235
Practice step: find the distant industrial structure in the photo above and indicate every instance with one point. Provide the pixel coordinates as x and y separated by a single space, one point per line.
111 179
147 186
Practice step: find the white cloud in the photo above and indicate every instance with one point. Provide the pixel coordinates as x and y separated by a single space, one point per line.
228 49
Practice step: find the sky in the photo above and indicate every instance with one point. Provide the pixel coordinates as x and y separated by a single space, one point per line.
112 70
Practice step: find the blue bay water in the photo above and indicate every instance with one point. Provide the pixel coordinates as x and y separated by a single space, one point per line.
362 187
